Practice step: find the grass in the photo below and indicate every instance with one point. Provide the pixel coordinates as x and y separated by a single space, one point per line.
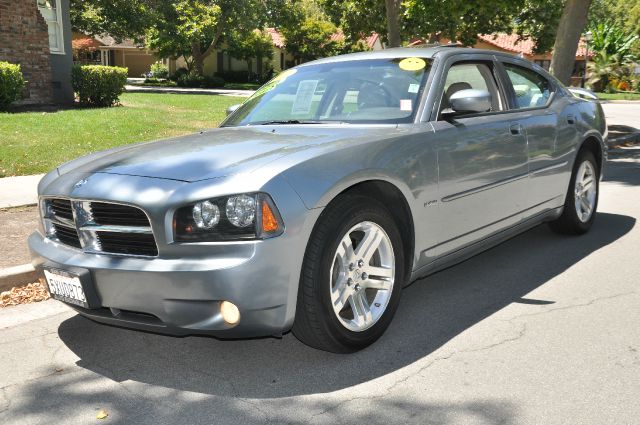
619 96
36 142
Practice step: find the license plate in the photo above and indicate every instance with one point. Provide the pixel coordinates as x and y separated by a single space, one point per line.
66 287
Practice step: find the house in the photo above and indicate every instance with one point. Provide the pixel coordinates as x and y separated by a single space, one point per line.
37 35
510 43
127 54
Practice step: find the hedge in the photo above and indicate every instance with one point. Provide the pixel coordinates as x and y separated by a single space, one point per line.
98 85
199 81
11 84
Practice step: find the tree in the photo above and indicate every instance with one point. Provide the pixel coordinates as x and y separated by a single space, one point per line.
393 22
357 19
308 31
461 20
311 39
538 20
572 23
119 18
196 28
254 45
613 48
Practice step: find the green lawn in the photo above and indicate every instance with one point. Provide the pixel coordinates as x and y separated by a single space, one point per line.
619 96
36 142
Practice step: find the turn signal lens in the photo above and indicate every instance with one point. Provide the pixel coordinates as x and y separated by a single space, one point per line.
230 312
269 221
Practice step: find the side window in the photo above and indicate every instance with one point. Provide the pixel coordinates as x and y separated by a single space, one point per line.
464 76
532 89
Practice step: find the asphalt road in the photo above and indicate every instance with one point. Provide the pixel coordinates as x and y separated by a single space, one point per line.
543 329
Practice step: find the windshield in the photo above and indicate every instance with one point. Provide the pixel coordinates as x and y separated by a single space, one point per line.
359 91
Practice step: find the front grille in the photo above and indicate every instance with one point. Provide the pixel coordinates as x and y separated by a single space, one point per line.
61 208
99 227
67 235
128 243
119 215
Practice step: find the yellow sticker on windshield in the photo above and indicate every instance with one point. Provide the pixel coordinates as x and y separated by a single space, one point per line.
412 64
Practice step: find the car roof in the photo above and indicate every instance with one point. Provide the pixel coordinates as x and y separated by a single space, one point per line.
405 52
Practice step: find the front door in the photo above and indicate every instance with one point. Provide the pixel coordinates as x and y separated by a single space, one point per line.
482 160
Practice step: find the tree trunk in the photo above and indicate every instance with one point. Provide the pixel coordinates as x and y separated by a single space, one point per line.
393 23
572 23
198 58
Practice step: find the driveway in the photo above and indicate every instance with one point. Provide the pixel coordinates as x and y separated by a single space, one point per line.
543 329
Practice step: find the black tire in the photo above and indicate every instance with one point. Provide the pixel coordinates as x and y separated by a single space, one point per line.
316 323
569 223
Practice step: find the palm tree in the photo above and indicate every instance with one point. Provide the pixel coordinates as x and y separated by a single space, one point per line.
613 49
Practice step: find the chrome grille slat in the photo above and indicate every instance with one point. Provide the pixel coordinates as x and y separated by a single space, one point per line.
116 229
99 227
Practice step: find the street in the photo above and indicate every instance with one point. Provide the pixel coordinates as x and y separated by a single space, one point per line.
542 329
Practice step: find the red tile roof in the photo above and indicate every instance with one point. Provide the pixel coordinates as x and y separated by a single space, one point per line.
276 36
510 43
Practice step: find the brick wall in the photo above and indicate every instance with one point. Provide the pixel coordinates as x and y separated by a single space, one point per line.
24 39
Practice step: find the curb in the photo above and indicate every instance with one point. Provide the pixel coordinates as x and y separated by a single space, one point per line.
627 138
17 276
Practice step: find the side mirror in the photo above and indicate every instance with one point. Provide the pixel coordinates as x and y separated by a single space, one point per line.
469 101
231 109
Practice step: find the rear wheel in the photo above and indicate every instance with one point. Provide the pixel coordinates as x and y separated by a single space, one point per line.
352 276
582 197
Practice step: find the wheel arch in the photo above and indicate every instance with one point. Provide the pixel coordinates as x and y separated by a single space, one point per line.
596 145
396 203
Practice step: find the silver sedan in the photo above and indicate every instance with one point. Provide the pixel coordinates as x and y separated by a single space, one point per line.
335 185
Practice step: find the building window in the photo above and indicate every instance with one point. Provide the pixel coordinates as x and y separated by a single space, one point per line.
50 11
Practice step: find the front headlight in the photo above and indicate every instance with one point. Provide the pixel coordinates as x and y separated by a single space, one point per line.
236 217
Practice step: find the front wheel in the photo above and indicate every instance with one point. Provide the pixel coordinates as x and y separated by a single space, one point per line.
582 197
352 276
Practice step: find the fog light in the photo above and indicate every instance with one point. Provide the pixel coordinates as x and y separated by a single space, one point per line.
230 312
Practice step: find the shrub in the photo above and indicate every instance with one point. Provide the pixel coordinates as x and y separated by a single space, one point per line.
199 81
98 85
179 73
246 76
159 70
11 84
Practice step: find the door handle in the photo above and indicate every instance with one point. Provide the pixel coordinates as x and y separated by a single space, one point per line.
571 119
515 128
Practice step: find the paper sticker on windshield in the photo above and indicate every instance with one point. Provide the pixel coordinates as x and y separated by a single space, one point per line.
412 64
413 88
405 105
304 97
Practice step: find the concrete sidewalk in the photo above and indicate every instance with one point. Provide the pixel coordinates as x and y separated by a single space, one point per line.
183 90
18 191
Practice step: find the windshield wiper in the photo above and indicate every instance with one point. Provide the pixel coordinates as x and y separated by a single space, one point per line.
276 122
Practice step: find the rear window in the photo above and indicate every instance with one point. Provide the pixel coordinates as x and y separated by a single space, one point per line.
532 89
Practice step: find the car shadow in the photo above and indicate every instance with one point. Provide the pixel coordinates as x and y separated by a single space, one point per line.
432 312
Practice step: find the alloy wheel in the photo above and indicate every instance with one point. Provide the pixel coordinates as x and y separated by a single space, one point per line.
362 276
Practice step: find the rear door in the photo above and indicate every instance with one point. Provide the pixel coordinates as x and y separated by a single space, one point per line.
482 158
536 103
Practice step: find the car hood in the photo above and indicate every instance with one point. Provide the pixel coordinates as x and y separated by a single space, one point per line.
213 153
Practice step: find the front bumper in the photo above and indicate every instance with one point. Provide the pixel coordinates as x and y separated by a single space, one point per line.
181 296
